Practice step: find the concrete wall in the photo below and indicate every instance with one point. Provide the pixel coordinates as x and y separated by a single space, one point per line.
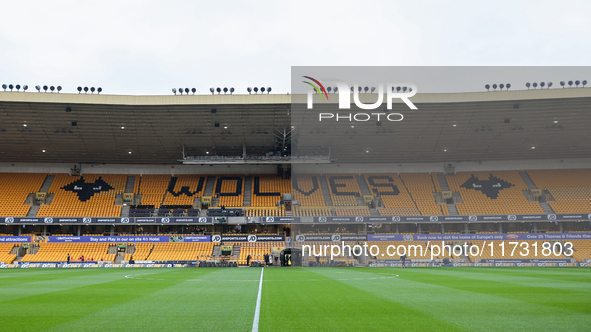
307 168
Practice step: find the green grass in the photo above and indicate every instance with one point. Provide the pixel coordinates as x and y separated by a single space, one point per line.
296 299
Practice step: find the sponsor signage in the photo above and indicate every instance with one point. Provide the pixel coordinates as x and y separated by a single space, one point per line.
15 239
479 237
247 238
119 239
117 220
330 237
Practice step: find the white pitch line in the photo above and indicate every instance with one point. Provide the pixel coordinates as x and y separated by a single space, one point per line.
257 311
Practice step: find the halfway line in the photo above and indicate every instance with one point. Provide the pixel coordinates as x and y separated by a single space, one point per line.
257 312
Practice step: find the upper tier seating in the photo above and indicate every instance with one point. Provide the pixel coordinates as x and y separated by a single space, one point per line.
267 190
307 191
153 187
571 188
89 195
499 192
230 189
183 189
14 189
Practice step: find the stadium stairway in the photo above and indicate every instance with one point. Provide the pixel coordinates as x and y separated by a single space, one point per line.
119 258
209 186
247 190
547 208
130 184
112 250
528 181
125 211
325 191
217 250
442 182
451 208
363 185
33 210
236 251
47 183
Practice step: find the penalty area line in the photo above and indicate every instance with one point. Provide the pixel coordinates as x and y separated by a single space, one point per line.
257 311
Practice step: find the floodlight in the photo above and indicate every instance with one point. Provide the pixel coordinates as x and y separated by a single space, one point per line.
549 85
174 90
262 90
79 89
45 88
193 90
359 89
373 88
4 87
336 89
527 85
99 90
249 90
535 85
494 87
225 90
584 83
10 87
508 85
329 89
562 84
218 90
570 84
25 88
18 87
577 82
501 86
366 89
59 88
38 88
52 88
181 90
85 89
404 89
187 90
232 90
268 90
398 89
256 90
542 84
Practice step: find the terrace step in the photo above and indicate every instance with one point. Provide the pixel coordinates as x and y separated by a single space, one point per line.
528 181
46 184
130 184
325 190
247 190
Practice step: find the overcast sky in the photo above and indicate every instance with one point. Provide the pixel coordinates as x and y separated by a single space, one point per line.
149 47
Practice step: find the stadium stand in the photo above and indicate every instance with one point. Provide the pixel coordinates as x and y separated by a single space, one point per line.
311 212
394 196
353 212
570 188
153 188
306 190
421 189
256 250
343 189
5 252
58 252
14 190
499 192
267 190
183 189
90 195
230 190
182 251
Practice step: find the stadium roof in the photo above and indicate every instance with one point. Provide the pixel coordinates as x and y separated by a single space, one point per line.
106 128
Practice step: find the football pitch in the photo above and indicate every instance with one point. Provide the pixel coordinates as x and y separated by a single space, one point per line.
296 299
